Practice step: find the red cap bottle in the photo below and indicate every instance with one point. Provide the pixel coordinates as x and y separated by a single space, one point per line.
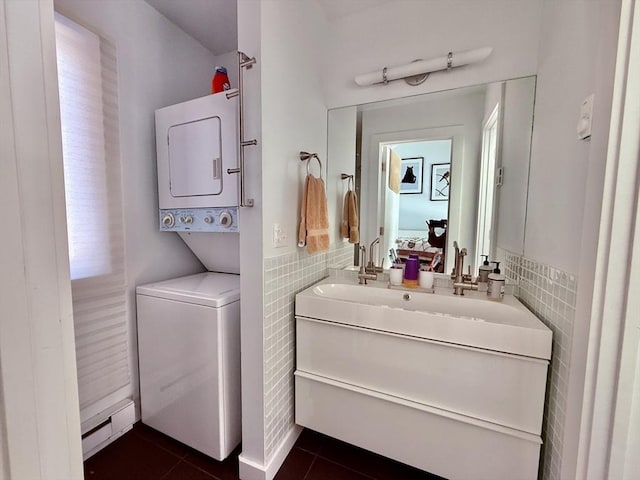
220 81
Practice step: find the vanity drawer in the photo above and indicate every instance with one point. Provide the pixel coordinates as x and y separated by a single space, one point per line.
440 442
500 388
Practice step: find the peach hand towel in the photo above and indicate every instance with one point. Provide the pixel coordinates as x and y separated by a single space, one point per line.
314 220
395 167
349 225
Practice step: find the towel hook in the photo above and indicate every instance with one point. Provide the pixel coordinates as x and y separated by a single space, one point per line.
345 176
306 156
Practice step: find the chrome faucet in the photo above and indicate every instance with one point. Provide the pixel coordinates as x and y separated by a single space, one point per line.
371 266
459 283
363 275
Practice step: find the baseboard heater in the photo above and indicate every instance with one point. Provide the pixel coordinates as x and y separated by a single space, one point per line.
102 429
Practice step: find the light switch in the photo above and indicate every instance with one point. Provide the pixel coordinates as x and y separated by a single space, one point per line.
584 122
499 176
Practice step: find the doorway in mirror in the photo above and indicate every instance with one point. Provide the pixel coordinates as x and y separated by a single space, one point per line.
422 196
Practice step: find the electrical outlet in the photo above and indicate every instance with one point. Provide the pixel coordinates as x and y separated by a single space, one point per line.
279 236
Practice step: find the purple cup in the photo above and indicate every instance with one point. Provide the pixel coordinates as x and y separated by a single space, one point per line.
411 268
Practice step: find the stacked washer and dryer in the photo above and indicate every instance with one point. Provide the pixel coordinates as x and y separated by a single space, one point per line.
189 327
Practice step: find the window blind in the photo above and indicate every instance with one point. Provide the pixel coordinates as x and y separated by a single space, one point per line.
87 77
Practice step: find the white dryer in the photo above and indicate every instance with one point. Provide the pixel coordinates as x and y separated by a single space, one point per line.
197 160
189 345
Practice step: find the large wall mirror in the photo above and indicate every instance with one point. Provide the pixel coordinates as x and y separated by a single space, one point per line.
456 160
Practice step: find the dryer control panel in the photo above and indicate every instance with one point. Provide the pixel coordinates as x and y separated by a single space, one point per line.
215 219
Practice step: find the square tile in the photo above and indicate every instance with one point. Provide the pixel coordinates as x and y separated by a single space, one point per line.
369 463
222 470
131 456
296 465
160 440
186 471
325 470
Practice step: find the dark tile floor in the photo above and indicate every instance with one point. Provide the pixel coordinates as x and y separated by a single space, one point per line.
145 454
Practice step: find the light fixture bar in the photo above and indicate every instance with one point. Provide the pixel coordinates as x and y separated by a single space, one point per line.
419 67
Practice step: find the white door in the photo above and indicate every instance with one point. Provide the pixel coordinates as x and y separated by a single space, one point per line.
486 200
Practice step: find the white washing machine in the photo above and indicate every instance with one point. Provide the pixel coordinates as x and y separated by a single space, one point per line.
189 346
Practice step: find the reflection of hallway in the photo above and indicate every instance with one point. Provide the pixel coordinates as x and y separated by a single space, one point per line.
422 200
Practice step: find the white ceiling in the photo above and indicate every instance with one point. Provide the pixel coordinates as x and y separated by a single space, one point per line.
214 22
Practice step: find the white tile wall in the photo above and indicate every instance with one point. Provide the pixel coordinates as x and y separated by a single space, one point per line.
550 294
284 276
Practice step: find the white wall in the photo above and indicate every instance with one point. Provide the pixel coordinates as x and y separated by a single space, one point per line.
341 158
285 110
576 58
158 65
40 425
559 160
399 32
251 246
294 112
228 60
414 209
590 70
511 197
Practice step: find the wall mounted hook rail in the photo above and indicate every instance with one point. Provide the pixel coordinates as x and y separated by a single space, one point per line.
244 61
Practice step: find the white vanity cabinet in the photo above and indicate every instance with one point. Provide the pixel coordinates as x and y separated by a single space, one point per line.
461 412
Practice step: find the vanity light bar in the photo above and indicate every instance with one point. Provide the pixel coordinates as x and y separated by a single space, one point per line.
421 67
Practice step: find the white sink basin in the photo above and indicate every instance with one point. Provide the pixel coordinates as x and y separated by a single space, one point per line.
471 319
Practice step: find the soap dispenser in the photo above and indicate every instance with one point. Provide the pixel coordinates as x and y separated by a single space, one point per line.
495 286
483 274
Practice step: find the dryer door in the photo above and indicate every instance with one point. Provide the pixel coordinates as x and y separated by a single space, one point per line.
197 148
195 158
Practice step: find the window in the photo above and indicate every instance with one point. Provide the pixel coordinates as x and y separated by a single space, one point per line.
87 79
86 168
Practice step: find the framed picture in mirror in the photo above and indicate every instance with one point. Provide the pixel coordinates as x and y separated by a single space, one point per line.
440 176
411 175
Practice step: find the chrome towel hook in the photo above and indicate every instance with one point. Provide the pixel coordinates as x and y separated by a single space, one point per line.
306 156
345 176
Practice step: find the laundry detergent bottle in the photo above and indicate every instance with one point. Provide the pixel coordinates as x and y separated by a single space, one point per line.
220 81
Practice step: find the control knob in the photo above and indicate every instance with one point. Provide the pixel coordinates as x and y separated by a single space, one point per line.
188 219
168 220
208 219
226 220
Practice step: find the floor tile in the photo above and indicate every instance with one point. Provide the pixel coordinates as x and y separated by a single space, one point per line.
325 470
225 470
296 465
311 441
145 454
161 440
130 457
369 463
186 471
